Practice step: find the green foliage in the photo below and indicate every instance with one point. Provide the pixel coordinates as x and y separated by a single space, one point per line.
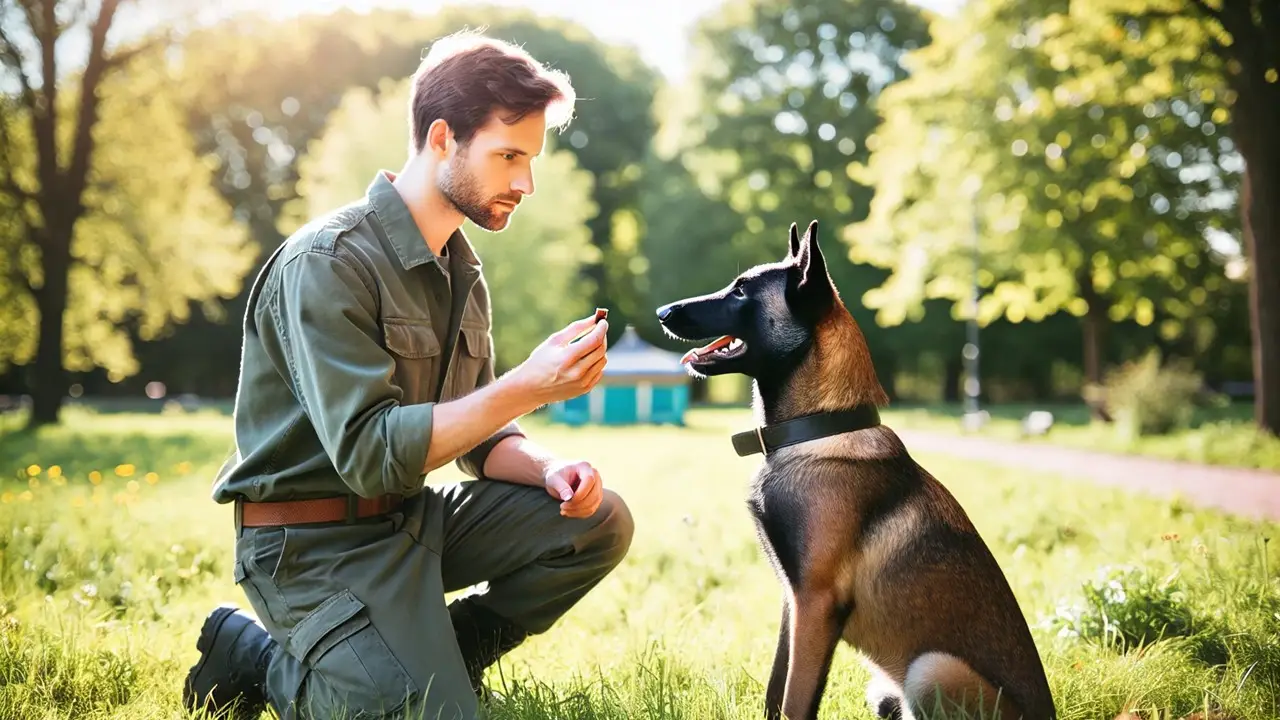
781 106
1149 397
1127 608
532 267
155 237
1092 158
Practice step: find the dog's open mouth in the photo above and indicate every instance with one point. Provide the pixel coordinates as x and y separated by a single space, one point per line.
724 348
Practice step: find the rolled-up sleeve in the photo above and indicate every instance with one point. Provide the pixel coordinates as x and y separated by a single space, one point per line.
472 462
321 323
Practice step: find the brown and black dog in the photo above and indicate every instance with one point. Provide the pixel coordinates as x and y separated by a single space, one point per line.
868 545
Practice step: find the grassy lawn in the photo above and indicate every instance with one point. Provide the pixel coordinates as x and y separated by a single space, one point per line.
1224 436
111 554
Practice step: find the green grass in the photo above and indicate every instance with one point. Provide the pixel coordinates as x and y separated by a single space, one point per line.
1226 437
1133 601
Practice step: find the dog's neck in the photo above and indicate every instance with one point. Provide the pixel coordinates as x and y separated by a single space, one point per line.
835 374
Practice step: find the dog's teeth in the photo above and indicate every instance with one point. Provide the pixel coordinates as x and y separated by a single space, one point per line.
735 344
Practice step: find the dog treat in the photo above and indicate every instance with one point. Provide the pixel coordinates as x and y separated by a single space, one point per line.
601 314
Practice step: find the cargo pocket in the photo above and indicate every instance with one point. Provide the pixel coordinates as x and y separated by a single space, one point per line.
353 673
416 349
257 562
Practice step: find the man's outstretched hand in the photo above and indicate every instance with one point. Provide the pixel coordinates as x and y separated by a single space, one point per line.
577 485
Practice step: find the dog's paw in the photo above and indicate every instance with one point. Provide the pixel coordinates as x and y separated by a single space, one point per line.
884 696
888 707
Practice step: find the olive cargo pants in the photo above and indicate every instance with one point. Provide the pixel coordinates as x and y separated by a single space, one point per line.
359 611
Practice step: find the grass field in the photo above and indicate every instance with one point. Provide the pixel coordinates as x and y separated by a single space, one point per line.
1217 436
111 554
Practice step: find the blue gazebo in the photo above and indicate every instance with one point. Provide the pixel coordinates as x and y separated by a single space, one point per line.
642 384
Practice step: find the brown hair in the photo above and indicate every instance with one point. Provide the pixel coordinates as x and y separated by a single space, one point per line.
467 76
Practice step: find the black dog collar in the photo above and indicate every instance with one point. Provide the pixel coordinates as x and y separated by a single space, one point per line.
809 427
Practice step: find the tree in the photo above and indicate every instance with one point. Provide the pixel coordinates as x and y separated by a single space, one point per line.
1240 40
115 220
532 267
1009 147
785 97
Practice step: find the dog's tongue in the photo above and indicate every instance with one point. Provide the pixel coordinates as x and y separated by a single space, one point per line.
706 349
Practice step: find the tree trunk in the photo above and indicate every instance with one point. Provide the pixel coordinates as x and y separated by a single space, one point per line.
1257 112
50 385
1095 337
951 382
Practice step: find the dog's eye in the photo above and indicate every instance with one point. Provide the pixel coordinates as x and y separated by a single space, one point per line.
738 291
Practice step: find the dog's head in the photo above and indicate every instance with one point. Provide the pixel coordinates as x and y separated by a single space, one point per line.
764 322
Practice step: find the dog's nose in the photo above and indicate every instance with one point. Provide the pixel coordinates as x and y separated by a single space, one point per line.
664 311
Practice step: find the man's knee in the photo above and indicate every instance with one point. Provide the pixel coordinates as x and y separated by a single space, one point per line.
616 527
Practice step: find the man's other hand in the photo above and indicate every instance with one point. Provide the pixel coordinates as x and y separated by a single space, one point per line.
577 485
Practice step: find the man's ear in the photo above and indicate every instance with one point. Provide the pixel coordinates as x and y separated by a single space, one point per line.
793 246
439 135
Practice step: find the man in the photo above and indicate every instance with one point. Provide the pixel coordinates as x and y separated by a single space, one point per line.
368 363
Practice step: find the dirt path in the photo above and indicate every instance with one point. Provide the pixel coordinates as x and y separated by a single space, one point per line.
1248 493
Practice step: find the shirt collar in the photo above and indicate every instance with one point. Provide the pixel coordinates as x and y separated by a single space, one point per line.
407 240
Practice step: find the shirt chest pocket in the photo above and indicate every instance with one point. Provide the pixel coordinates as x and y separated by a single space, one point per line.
475 347
416 350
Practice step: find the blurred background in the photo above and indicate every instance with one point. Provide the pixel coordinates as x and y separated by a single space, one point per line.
1027 204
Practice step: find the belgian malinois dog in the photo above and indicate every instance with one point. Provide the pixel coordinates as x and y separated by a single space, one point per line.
868 545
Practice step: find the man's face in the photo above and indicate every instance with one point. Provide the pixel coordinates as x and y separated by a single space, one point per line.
489 176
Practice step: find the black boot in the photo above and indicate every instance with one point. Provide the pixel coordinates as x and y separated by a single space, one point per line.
483 637
232 670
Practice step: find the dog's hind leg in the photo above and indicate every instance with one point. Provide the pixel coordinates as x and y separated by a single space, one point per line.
938 685
778 676
817 620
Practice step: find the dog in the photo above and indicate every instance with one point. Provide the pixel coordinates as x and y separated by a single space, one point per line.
868 545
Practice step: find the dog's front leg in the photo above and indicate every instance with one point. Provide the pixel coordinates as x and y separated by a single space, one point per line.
778 677
816 624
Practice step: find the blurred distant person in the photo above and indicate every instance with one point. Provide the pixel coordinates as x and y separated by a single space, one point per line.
368 363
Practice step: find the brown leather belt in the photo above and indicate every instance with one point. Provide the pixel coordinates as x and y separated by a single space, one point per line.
319 510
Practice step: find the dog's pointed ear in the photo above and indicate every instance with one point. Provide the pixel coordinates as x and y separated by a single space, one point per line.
793 247
813 266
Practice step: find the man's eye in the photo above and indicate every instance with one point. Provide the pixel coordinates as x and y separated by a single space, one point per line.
509 156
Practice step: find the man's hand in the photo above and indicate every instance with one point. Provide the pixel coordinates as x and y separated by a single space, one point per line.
559 369
578 485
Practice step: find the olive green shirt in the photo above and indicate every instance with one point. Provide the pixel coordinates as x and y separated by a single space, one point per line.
354 331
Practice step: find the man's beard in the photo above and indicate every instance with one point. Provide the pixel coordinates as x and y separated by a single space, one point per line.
461 188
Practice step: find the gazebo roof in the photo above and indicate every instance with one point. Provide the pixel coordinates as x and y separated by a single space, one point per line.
631 355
